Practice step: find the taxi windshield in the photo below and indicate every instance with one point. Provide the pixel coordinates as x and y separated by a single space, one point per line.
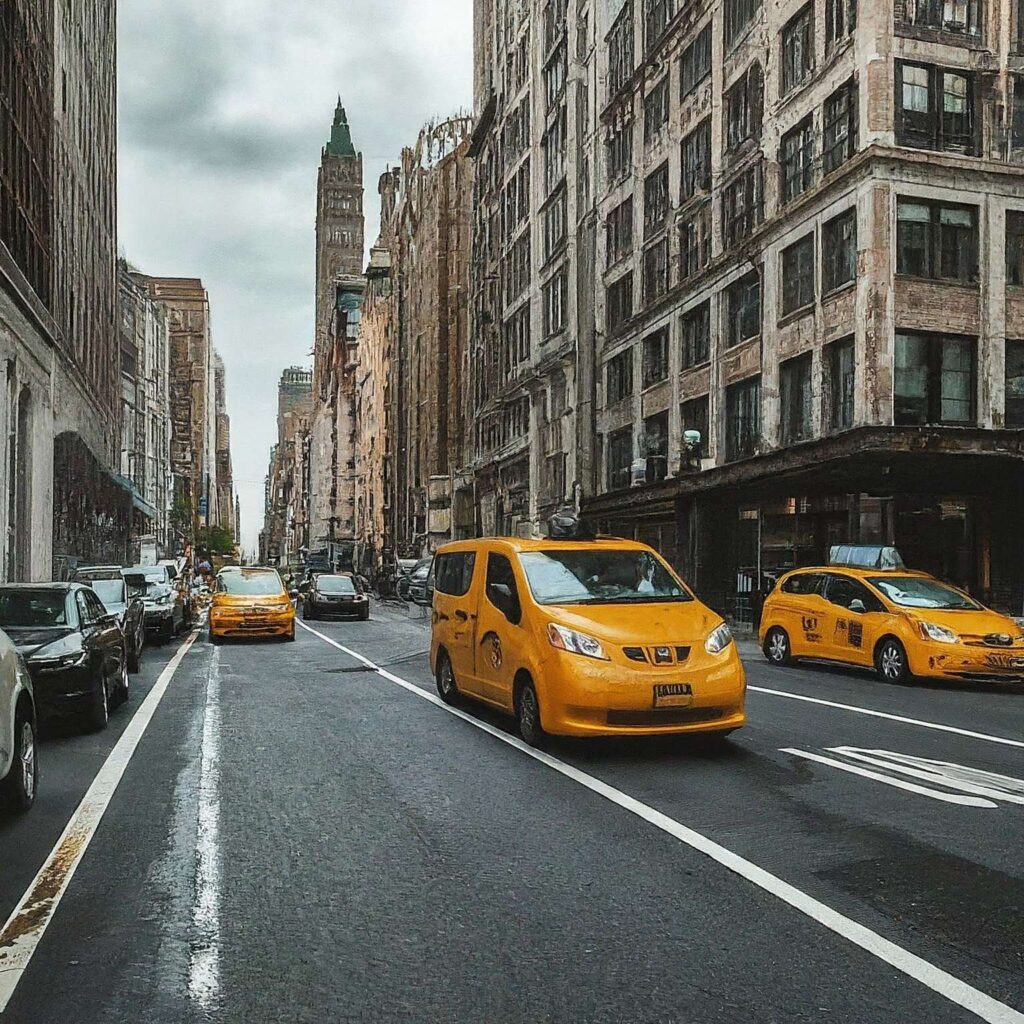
916 592
250 584
335 585
599 577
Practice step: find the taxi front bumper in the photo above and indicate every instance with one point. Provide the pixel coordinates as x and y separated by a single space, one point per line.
979 663
586 697
232 622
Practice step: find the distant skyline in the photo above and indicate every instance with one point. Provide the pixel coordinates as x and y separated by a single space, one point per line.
224 111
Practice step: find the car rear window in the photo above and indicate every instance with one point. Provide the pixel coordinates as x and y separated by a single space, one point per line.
453 573
803 583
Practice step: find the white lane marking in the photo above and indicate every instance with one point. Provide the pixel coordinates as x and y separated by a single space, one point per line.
942 773
204 959
910 787
932 977
892 718
26 926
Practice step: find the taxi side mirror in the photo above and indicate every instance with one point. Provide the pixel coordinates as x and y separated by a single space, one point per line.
857 605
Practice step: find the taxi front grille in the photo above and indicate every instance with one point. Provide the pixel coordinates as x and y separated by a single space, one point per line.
666 654
665 716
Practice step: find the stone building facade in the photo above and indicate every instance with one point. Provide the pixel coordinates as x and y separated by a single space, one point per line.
809 291
225 514
61 501
339 287
199 425
533 258
285 537
146 411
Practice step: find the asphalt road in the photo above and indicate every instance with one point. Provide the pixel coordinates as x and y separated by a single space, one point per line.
298 837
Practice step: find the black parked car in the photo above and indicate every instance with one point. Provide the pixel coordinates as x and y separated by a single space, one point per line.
336 595
74 649
123 597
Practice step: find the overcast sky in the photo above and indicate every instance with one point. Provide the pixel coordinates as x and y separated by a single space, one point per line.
225 106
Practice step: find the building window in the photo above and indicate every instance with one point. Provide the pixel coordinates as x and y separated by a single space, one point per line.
960 17
1016 115
693 415
798 49
695 242
742 205
937 240
797 159
556 226
795 399
935 108
620 302
935 379
518 268
619 377
654 447
554 152
695 64
517 341
1014 383
657 15
743 309
621 57
554 22
656 357
798 275
696 154
839 251
619 231
738 15
840 124
1015 247
556 301
743 419
840 21
555 73
656 204
656 271
743 107
620 151
656 110
620 458
696 335
842 380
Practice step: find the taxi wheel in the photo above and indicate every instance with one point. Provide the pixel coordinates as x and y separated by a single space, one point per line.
528 715
891 662
776 647
215 639
447 687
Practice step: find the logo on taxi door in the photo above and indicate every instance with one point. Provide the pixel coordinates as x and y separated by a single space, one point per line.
493 644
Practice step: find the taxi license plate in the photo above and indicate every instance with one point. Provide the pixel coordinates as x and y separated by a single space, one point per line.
673 695
1005 661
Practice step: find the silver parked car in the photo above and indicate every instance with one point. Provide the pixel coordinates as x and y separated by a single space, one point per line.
19 769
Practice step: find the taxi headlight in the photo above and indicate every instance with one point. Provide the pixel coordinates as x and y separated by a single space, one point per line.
577 643
932 631
719 639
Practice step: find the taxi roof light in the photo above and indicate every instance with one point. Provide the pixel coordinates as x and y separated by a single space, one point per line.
866 556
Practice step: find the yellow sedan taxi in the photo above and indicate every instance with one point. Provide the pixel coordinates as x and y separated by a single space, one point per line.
581 638
903 624
251 603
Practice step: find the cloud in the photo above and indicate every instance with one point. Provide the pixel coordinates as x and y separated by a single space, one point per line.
224 108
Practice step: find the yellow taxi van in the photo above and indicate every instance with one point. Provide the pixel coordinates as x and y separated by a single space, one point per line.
581 637
867 609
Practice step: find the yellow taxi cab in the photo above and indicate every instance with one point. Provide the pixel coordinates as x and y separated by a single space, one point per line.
902 623
581 638
251 603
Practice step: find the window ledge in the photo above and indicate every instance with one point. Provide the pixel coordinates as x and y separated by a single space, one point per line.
740 344
945 282
840 289
703 365
653 386
907 30
796 314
